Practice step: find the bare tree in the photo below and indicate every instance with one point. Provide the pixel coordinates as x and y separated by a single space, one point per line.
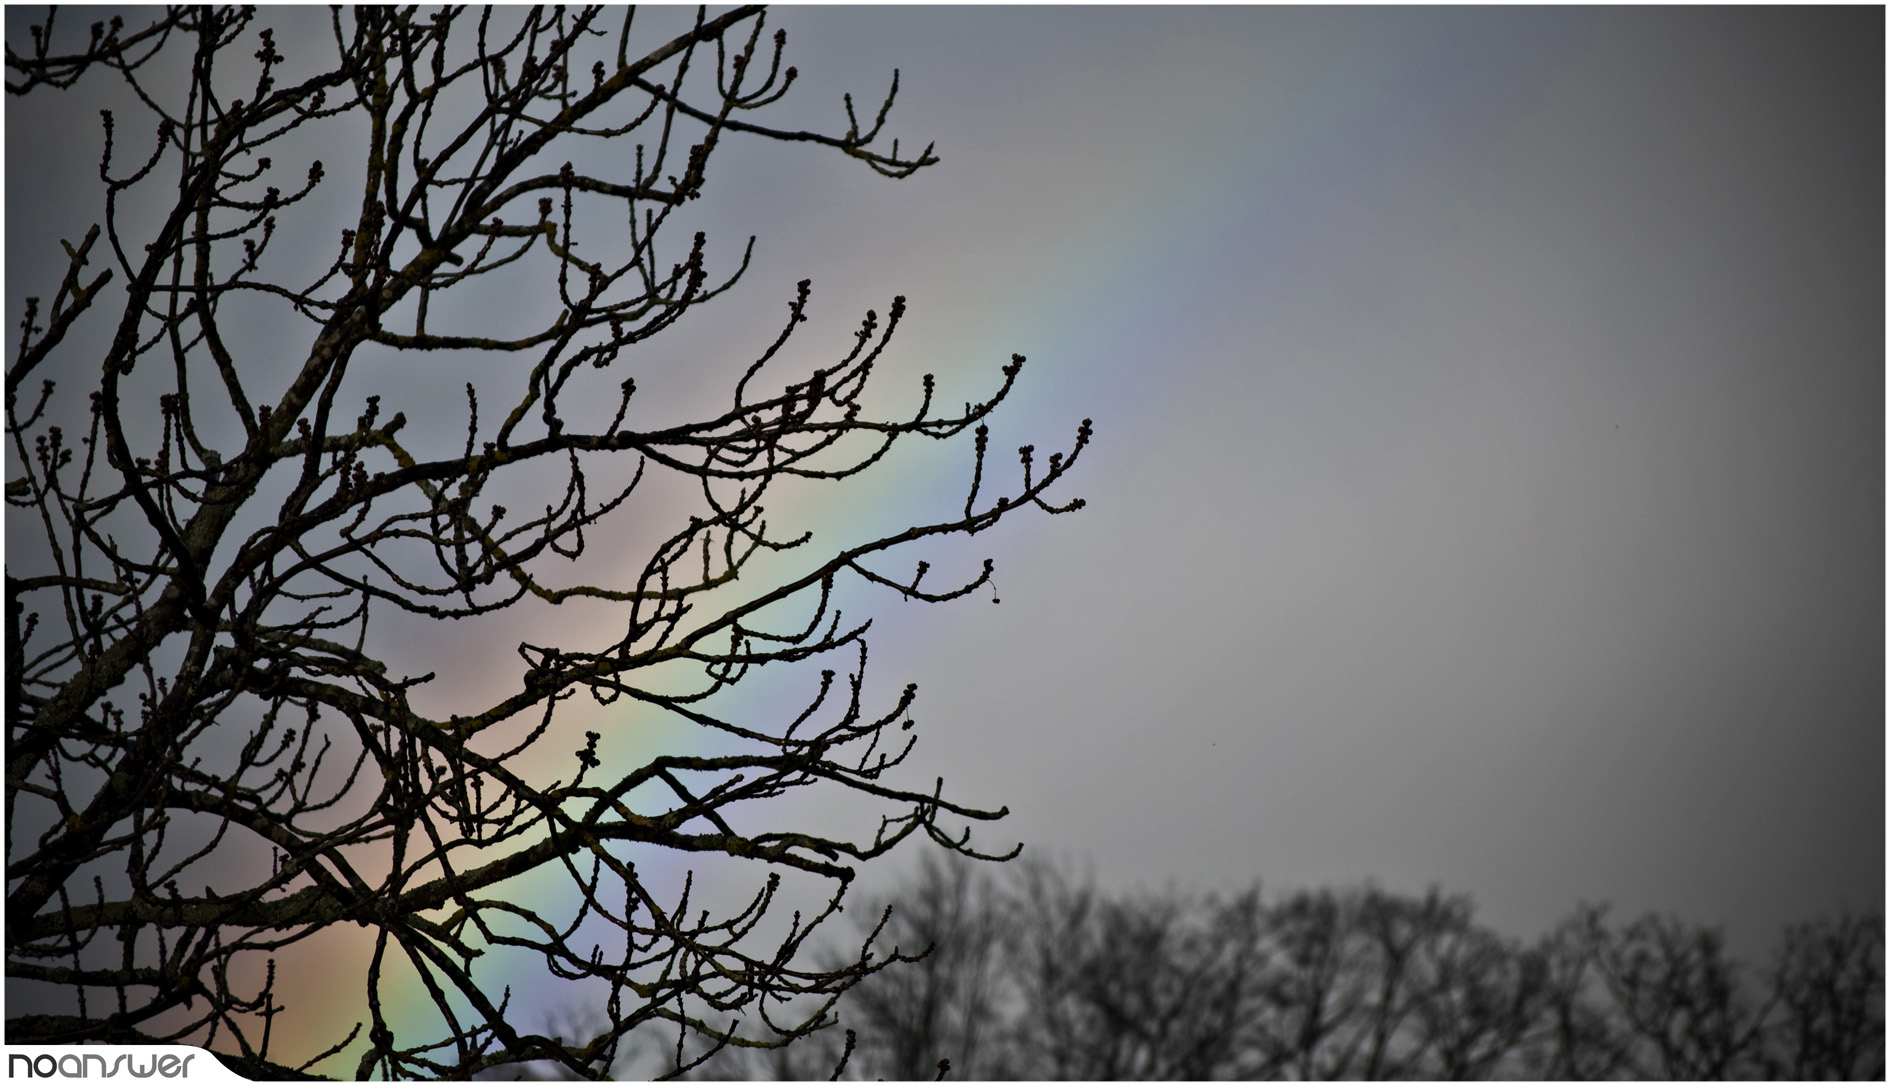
1681 999
1681 1006
1829 986
1069 982
946 1001
944 1005
213 755
1373 985
1137 987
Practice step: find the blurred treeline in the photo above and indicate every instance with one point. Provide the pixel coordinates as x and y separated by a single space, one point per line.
1034 974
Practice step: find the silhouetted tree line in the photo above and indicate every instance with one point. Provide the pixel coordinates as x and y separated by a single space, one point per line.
1035 975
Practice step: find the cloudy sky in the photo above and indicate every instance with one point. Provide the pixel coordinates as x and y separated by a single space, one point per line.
1488 482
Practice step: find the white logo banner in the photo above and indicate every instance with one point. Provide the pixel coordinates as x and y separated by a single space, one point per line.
115 1063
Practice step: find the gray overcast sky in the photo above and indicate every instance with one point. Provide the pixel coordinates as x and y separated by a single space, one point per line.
1488 487
1488 484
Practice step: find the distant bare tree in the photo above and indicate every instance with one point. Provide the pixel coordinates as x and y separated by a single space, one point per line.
1140 987
1372 985
1681 999
1073 983
1829 987
1665 999
945 1003
211 758
950 996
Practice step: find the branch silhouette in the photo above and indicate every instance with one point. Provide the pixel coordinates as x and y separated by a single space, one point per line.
198 695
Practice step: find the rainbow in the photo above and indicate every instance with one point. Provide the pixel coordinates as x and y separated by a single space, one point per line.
1280 121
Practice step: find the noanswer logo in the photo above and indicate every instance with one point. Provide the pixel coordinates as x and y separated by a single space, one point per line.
115 1062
